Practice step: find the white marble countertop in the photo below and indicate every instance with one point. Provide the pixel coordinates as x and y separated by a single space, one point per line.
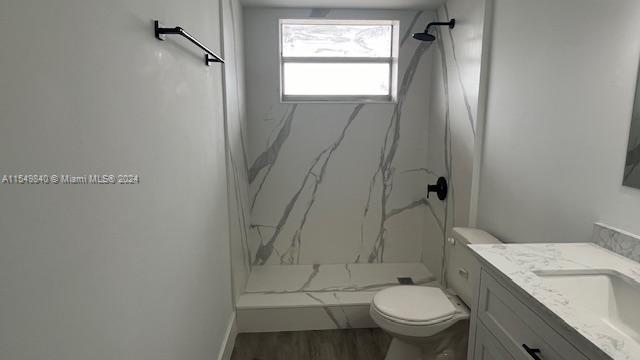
519 261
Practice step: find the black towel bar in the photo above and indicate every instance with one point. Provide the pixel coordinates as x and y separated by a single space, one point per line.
159 32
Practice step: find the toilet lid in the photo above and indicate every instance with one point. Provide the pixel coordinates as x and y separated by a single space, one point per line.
414 303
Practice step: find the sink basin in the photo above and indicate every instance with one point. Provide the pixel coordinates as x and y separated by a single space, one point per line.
610 296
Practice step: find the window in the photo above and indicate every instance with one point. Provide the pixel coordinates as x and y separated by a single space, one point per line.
338 60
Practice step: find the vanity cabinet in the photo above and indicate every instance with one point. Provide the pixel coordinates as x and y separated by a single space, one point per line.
506 328
488 347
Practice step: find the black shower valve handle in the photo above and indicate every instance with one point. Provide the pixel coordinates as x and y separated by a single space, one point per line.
441 188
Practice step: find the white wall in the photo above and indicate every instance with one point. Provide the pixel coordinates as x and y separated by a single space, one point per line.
561 89
235 111
321 193
112 271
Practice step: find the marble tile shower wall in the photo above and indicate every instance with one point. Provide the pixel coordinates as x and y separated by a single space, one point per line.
235 109
453 120
345 183
336 183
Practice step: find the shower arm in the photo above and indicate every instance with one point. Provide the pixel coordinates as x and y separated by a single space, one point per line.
450 24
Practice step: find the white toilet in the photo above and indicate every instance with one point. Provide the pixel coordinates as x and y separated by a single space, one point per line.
429 323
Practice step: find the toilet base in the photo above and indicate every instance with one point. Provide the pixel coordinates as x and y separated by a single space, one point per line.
400 350
450 344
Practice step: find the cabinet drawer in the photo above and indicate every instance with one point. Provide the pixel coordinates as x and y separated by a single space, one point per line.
515 325
488 347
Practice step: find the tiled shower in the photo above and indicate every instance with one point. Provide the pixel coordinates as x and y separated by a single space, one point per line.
328 201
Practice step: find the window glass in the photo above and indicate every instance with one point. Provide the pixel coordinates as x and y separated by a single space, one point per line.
331 60
336 40
336 79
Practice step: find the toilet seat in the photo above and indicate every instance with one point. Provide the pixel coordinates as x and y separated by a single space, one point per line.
416 311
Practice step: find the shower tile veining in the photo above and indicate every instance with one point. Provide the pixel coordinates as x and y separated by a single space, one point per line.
305 297
332 277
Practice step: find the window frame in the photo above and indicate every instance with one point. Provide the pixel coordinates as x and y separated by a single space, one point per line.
392 60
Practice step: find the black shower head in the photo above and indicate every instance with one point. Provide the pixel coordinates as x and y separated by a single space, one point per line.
425 36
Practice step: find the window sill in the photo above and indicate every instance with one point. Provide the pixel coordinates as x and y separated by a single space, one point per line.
336 100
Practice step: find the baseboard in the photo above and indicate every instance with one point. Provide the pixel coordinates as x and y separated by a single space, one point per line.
229 338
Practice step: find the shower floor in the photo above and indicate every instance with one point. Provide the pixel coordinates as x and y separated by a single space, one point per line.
318 297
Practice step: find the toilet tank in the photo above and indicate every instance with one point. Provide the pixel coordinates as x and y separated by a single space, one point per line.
462 267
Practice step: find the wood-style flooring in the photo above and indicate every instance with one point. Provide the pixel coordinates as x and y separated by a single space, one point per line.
351 344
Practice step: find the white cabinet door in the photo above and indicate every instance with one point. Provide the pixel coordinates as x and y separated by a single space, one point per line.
488 347
517 327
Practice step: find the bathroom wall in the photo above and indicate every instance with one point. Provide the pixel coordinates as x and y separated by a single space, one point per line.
560 98
453 118
336 183
235 111
112 271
